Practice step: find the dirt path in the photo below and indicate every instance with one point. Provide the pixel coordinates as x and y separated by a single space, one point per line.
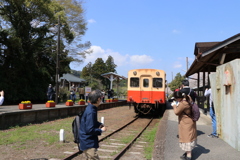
37 149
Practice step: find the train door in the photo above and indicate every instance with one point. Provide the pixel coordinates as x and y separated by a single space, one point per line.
145 88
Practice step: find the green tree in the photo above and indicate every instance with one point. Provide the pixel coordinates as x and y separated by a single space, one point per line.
123 83
177 82
76 73
99 68
94 71
110 65
87 71
93 83
74 11
28 47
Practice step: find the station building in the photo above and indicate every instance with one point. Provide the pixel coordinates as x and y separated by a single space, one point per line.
219 64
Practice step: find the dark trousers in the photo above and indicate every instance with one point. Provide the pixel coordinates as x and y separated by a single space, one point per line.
49 96
81 96
73 97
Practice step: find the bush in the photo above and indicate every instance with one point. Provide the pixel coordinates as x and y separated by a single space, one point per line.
63 94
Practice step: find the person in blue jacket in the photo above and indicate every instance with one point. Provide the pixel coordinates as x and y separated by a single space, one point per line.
50 92
90 128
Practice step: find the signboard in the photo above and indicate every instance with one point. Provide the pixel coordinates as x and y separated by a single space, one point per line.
87 90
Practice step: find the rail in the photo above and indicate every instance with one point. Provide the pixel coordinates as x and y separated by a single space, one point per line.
102 139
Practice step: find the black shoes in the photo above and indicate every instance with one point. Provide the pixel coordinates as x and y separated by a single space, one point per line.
212 136
184 157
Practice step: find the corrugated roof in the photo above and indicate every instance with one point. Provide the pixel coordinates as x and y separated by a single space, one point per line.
201 47
71 78
209 55
115 75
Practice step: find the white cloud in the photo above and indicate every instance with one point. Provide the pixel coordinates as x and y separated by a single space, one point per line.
140 59
177 65
119 59
176 31
91 21
98 52
124 62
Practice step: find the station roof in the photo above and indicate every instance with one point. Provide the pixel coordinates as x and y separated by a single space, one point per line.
71 78
209 55
115 75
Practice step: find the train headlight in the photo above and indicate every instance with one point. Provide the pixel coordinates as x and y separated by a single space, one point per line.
157 73
130 98
134 73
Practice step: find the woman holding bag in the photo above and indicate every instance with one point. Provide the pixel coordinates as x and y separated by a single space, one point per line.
186 126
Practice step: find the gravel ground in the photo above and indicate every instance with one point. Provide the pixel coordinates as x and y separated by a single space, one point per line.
113 119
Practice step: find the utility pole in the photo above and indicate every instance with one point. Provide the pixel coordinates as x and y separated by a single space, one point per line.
57 61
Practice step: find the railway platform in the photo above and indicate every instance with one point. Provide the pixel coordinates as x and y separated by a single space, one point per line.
14 108
167 147
11 115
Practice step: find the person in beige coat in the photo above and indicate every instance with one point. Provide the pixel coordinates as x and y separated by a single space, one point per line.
186 126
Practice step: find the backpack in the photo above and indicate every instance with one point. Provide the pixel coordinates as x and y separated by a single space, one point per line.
195 110
75 128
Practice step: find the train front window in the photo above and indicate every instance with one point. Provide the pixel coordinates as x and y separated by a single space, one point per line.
145 82
157 82
134 82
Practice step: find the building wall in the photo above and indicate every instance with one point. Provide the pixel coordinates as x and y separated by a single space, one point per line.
226 94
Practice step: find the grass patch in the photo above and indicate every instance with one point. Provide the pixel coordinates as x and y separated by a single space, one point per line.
127 139
149 137
113 153
47 132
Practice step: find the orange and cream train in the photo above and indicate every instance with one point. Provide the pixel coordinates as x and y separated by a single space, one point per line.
146 91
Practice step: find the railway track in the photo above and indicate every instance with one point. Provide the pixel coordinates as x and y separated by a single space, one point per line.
116 145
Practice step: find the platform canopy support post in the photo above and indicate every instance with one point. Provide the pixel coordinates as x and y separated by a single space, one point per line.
112 76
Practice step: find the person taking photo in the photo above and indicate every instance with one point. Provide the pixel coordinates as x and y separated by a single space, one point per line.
90 128
187 129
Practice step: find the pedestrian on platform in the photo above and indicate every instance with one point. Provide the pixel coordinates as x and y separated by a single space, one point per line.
109 93
73 93
187 128
90 128
112 93
81 93
208 93
50 92
187 90
1 97
103 95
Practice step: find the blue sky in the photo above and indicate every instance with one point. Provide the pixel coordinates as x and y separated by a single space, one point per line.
156 34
